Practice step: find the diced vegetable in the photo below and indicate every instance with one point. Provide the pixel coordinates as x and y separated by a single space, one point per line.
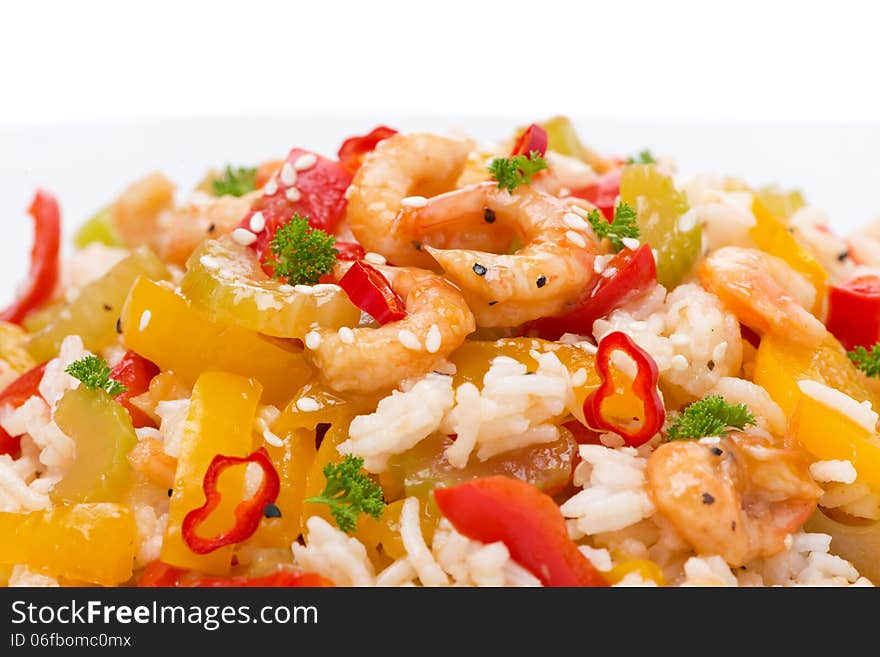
225 281
43 273
354 149
159 574
562 138
603 193
779 202
854 311
13 347
772 235
97 229
532 139
220 421
14 395
660 209
526 520
93 314
93 543
135 373
104 436
161 325
369 290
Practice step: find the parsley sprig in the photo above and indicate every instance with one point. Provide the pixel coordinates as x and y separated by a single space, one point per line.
643 157
349 493
235 182
710 416
865 360
94 373
624 225
302 254
511 172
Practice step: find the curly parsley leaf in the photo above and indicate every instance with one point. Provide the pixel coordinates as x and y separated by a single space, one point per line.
623 226
94 373
235 182
302 254
511 172
710 416
865 360
643 157
349 493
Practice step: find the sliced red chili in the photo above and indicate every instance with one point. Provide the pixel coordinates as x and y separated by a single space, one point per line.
632 274
644 387
134 372
14 395
351 153
248 513
854 311
603 193
370 291
349 251
158 574
534 138
43 274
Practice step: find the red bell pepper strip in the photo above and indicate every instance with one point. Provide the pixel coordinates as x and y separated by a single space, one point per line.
370 291
158 574
43 275
634 273
534 138
854 311
603 193
248 513
351 153
526 520
14 395
134 372
644 386
349 251
319 195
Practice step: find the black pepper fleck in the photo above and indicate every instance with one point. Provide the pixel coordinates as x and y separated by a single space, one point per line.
170 492
271 511
541 282
733 526
108 307
708 499
212 228
843 255
479 269
716 451
119 325
489 216
492 303
711 365
417 246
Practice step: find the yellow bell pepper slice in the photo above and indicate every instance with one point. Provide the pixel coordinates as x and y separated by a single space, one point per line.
829 434
220 421
772 235
12 348
93 543
104 436
160 324
647 570
780 202
780 364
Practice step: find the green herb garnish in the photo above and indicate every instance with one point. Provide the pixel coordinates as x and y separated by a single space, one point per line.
349 493
94 373
302 254
623 226
710 416
511 172
235 182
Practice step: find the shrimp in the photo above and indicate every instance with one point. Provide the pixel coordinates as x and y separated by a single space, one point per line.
368 359
135 212
738 498
402 166
550 271
763 292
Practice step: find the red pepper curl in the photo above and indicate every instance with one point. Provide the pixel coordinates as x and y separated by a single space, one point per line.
14 395
370 291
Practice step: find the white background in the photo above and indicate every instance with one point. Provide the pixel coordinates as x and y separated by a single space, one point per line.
698 80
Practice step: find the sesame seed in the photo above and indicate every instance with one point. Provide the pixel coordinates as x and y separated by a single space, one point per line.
271 438
579 378
631 243
307 405
489 216
541 281
304 162
270 187
292 194
145 320
589 347
286 288
679 339
479 269
409 340
434 339
655 254
564 191
710 440
414 202
574 221
325 287
687 221
601 262
257 222
288 174
313 340
346 335
375 258
608 272
575 238
679 363
243 236
719 351
579 210
304 289
271 511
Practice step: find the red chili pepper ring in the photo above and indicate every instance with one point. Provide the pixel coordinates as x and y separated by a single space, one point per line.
644 386
247 513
